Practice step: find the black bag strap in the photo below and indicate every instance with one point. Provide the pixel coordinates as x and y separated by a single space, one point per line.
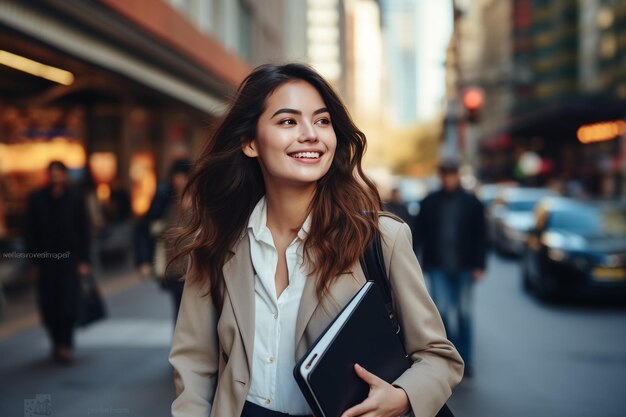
373 265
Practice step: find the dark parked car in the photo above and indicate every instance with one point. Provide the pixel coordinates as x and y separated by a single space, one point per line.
576 246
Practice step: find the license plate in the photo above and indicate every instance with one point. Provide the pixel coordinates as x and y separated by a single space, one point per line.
609 274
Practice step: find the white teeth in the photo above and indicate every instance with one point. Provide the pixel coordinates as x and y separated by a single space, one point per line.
310 155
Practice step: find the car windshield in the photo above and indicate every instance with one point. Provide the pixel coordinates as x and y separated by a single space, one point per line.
522 205
588 221
524 199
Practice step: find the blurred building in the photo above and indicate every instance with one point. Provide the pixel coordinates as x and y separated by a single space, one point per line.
117 89
415 34
394 79
326 40
465 69
497 73
364 58
260 31
555 88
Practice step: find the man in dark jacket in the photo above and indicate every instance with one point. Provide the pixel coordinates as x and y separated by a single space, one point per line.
451 235
56 231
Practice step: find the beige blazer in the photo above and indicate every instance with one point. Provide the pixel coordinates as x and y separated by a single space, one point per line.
212 359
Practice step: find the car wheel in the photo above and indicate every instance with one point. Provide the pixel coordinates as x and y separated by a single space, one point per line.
546 287
527 284
526 280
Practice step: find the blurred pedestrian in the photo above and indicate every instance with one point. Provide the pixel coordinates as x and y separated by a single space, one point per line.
451 235
56 232
396 205
281 213
155 233
118 208
94 206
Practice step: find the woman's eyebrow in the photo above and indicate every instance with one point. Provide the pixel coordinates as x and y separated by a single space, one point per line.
298 112
286 110
321 110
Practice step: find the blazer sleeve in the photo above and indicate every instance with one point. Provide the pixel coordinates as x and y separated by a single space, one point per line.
437 366
194 354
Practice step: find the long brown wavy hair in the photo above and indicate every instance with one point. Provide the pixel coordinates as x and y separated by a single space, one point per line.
225 186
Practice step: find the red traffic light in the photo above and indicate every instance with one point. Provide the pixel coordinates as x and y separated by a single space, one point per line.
473 98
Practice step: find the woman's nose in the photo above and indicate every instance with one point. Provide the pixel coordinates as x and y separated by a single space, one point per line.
308 133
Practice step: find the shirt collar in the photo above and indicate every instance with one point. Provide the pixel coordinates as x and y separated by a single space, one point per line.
258 219
306 226
257 223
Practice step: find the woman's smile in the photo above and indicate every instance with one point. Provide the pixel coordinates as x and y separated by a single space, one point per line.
307 156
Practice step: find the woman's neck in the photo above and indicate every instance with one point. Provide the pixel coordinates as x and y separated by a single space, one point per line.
287 209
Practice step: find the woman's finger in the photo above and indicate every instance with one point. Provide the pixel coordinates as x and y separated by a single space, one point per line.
367 376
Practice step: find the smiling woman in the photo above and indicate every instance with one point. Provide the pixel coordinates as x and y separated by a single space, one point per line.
272 117
281 213
294 145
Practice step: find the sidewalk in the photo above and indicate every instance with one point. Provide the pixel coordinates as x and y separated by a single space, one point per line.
120 365
21 305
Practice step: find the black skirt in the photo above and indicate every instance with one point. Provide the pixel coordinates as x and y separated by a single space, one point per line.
253 410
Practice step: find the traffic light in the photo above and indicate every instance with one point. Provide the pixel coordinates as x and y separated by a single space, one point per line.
473 98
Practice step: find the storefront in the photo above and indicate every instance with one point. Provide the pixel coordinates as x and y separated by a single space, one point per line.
103 87
594 164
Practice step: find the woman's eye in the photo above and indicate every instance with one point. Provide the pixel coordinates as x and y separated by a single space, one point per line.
323 121
288 122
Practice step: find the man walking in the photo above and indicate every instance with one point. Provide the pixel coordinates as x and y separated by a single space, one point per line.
451 235
57 235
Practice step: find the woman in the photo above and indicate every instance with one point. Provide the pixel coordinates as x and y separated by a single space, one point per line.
279 219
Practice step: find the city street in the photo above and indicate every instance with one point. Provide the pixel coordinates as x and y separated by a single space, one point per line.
531 359
538 360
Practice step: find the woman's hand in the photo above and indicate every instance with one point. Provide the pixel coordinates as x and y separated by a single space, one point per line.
384 400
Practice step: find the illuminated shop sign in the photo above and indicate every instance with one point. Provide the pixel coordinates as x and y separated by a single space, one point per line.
35 68
36 155
598 132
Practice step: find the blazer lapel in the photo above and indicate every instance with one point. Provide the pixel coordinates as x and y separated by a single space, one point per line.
239 279
346 286
308 304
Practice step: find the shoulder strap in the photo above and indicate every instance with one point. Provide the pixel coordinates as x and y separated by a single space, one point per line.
373 265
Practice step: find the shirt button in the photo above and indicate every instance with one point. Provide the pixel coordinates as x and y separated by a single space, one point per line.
268 401
275 315
270 359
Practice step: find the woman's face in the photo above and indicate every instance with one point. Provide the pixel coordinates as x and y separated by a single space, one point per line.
295 141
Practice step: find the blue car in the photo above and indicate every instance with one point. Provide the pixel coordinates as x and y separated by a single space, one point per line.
575 247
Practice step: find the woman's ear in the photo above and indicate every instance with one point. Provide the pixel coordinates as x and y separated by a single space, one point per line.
249 148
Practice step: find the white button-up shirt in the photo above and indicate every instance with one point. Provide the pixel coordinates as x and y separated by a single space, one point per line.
273 359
